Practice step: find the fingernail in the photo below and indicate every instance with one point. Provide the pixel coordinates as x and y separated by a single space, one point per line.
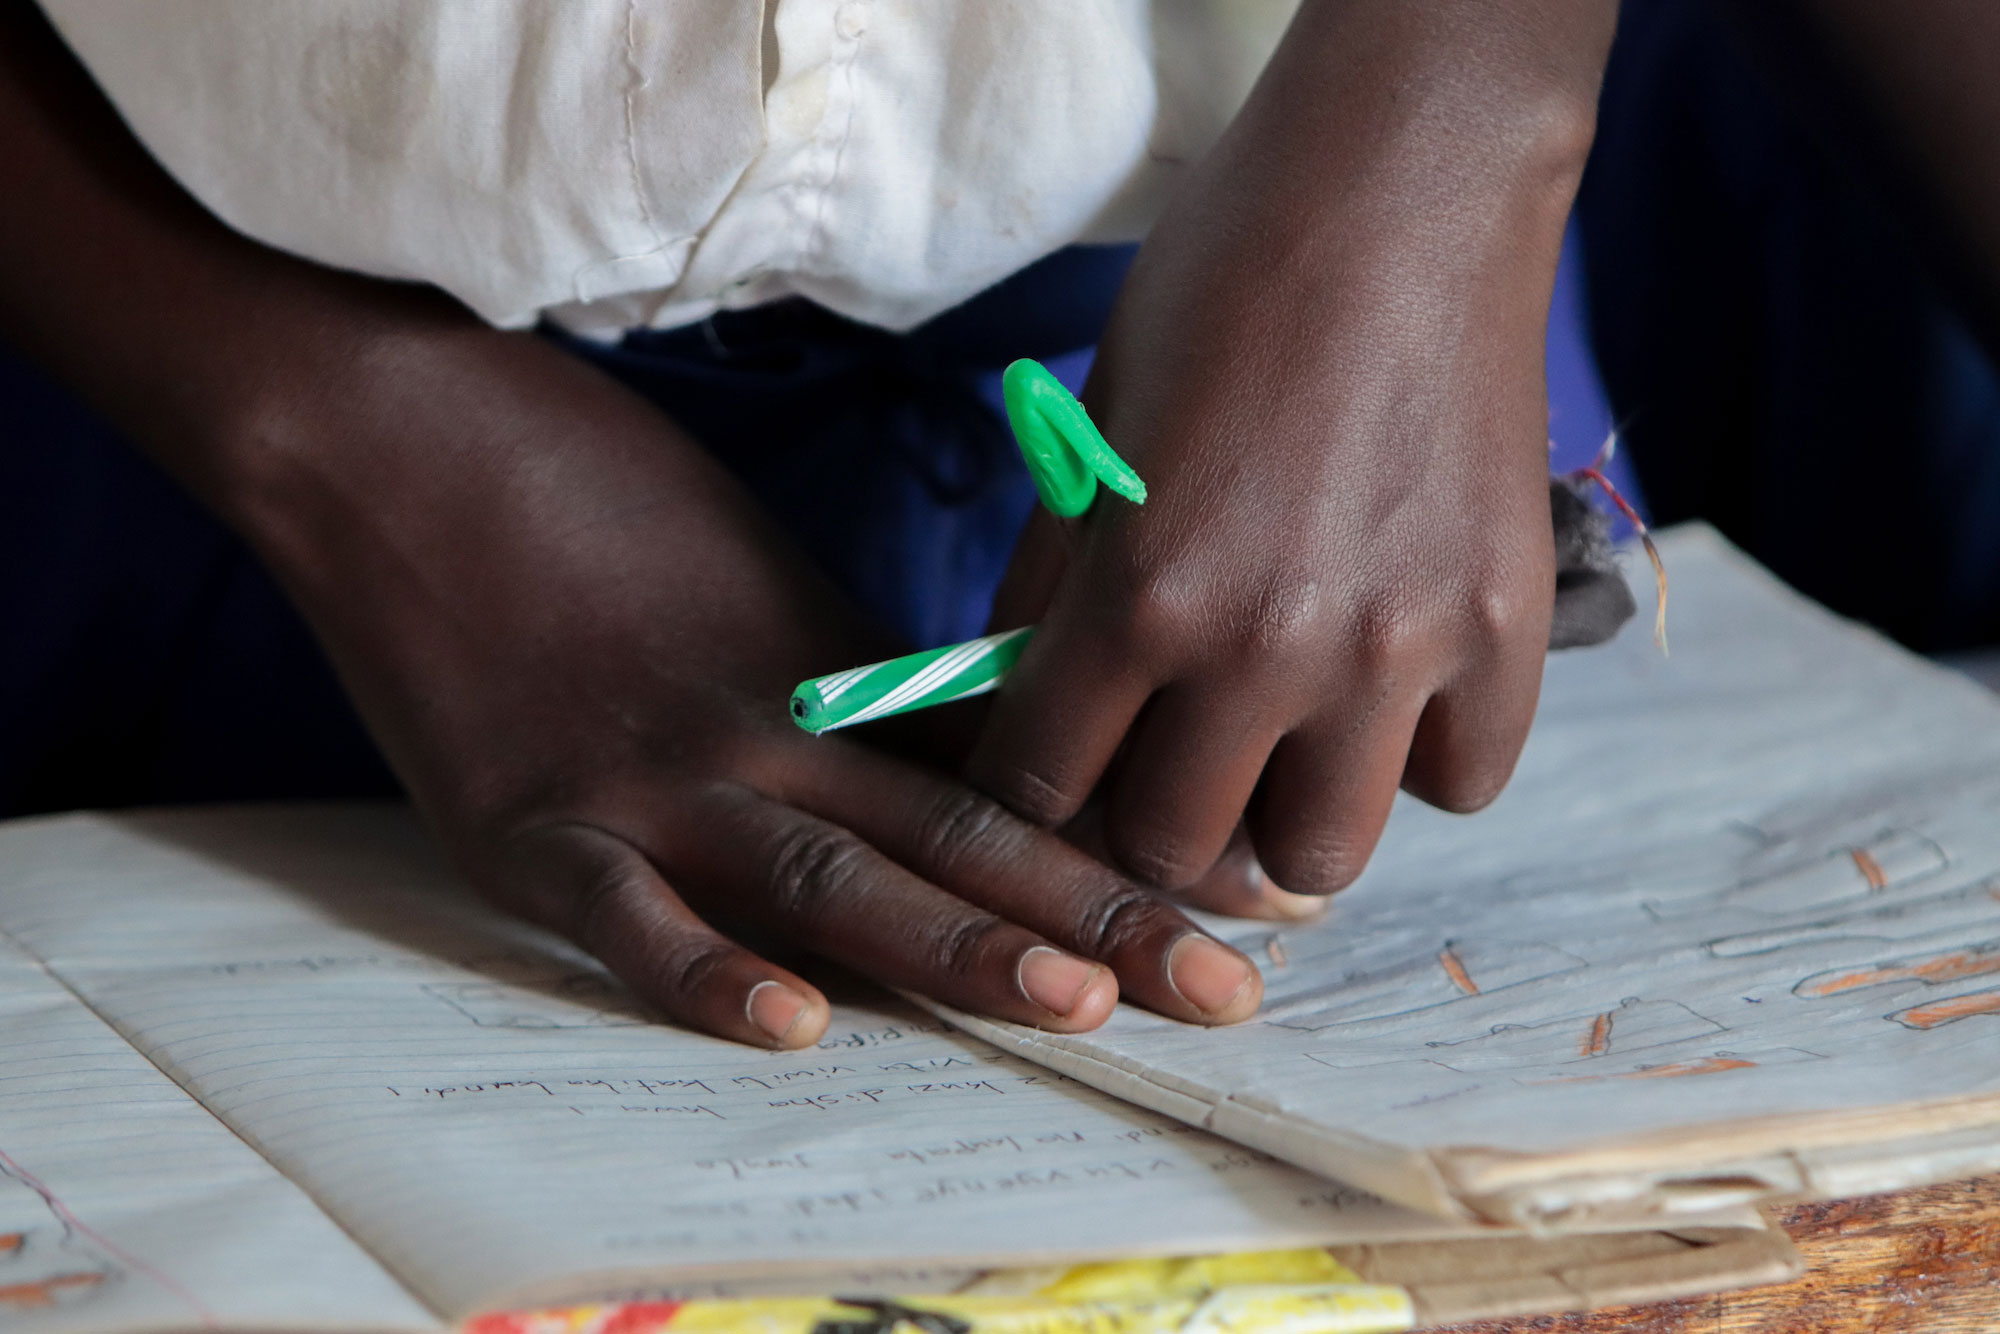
1297 907
776 1009
1054 980
1207 974
1283 902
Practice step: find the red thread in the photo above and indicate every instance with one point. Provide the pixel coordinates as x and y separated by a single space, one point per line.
1594 472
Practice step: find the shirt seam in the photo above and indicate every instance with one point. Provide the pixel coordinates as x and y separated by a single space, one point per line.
636 80
837 148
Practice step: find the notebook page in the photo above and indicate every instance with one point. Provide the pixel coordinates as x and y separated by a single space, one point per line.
477 1106
1734 903
124 1206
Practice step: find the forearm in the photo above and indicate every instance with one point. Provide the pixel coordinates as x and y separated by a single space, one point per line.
1397 183
347 426
382 449
205 347
1450 107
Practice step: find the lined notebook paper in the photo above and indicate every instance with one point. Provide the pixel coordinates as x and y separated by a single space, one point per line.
107 1170
1732 933
275 1069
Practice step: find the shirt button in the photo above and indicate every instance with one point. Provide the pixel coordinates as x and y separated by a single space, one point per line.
850 21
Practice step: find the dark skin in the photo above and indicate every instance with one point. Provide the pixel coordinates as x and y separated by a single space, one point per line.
573 636
1330 341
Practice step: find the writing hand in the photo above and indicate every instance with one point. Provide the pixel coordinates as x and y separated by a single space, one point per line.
1326 364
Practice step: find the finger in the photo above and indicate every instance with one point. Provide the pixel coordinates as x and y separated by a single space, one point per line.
1237 886
1056 724
820 884
1472 732
983 854
1033 571
937 738
1326 796
1190 765
603 894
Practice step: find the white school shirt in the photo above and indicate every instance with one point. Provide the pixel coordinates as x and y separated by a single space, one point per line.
612 164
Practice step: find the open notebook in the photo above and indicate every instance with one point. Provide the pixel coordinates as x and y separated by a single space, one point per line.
275 1070
1732 933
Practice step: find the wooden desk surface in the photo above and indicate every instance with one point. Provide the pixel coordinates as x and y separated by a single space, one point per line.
1919 1260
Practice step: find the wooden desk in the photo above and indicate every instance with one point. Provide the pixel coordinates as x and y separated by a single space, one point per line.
1924 1261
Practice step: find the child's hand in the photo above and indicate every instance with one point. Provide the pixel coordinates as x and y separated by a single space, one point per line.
1327 366
576 641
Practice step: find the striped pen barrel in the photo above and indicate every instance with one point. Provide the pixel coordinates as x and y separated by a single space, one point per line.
1068 460
916 681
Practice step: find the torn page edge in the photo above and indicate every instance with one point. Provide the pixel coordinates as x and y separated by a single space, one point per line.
1703 1167
1603 1198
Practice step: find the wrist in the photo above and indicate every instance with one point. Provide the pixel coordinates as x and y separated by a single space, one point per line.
361 462
413 438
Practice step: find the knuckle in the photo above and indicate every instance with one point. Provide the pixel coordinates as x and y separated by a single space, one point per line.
1282 620
1038 800
1505 614
1155 856
812 867
689 973
1161 608
1118 922
595 906
965 944
957 821
1390 637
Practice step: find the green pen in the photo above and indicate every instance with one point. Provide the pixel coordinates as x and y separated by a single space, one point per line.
1067 456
